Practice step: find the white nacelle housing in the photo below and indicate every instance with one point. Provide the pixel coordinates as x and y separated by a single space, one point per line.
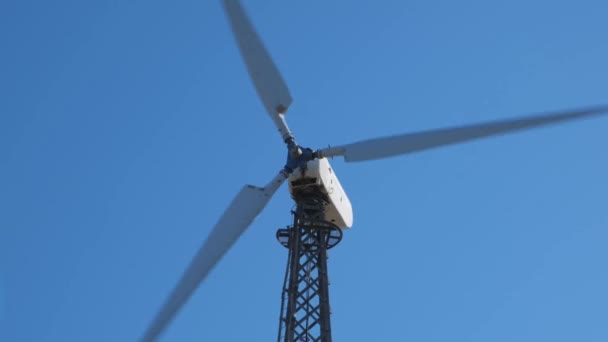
320 177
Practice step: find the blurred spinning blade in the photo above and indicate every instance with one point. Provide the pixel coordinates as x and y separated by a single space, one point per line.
245 207
266 77
396 145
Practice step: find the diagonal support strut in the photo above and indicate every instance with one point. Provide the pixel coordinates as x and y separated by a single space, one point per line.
305 309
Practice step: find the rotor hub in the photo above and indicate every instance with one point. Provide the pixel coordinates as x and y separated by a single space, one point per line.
297 156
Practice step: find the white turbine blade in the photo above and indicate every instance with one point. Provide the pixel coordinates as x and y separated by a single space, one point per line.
413 142
240 214
267 79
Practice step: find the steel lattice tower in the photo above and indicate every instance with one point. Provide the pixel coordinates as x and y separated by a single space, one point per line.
305 309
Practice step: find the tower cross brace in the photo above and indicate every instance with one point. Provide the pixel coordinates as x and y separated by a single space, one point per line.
305 309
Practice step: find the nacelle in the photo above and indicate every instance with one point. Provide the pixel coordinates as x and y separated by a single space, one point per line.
319 178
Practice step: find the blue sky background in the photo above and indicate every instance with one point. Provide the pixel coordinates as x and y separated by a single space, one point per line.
126 127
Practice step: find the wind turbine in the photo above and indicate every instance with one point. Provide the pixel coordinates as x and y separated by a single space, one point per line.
323 210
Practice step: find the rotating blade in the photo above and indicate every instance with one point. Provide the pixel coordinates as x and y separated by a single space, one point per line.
244 208
391 146
267 79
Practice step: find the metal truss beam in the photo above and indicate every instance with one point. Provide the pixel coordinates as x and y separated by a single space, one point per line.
305 309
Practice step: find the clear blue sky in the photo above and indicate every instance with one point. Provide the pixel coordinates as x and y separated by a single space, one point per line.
126 127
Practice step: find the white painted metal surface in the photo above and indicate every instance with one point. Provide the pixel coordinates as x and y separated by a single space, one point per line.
319 175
